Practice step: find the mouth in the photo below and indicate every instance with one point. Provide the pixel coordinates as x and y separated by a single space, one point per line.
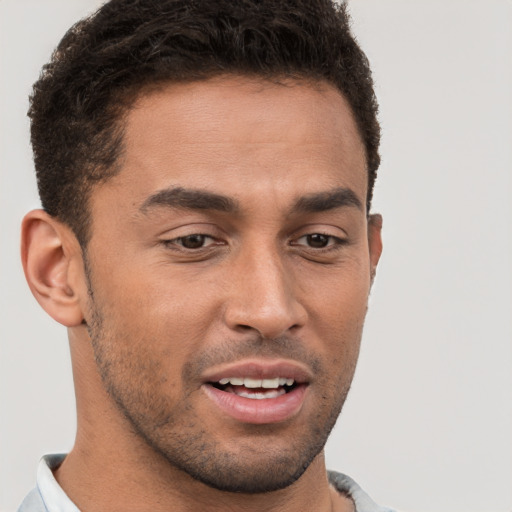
259 393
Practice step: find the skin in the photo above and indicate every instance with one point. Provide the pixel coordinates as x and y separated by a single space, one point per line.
151 309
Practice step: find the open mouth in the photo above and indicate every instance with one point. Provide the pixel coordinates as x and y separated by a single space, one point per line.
256 389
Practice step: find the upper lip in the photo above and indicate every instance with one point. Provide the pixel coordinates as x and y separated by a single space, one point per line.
260 369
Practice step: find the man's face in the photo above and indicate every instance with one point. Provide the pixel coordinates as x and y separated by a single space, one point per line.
229 270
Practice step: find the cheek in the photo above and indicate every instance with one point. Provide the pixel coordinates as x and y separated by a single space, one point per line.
337 311
162 321
340 295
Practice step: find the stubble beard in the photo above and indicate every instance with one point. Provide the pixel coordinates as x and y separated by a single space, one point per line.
174 431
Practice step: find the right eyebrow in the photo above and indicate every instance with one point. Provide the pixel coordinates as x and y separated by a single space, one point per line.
189 199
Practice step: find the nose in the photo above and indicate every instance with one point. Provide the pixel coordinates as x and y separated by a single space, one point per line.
263 296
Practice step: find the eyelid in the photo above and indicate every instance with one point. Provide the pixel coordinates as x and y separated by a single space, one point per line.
332 231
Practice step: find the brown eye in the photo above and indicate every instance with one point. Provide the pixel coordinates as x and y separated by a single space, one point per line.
317 240
193 241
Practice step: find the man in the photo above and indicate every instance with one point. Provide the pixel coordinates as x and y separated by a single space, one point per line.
206 173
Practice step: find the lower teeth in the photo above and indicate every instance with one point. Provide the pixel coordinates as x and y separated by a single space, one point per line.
274 393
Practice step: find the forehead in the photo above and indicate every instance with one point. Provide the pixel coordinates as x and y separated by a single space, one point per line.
240 135
221 101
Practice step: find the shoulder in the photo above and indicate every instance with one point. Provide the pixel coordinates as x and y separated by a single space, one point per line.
32 503
348 487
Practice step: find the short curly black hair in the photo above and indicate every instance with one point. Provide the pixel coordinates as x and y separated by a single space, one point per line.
106 60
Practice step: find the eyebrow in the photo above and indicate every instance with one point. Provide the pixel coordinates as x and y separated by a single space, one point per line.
324 201
196 199
190 199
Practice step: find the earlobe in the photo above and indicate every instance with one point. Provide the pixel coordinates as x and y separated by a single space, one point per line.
49 252
374 241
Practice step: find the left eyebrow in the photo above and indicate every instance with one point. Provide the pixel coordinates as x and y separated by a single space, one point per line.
324 201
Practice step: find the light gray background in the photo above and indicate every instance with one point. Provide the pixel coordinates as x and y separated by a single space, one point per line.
428 424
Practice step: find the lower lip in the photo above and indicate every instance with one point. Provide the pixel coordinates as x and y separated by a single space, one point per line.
266 410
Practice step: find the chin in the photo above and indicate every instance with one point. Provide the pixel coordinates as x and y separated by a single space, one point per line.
245 476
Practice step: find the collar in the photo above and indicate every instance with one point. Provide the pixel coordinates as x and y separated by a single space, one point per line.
52 494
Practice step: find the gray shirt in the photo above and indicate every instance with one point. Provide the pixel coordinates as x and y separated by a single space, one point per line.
48 496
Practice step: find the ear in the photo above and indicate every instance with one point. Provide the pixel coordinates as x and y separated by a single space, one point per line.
52 260
374 241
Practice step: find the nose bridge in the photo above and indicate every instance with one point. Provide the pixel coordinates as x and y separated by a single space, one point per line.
263 292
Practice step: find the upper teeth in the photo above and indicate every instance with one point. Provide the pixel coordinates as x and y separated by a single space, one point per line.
257 383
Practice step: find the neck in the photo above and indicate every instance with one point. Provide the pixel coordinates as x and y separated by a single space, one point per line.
111 478
105 480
